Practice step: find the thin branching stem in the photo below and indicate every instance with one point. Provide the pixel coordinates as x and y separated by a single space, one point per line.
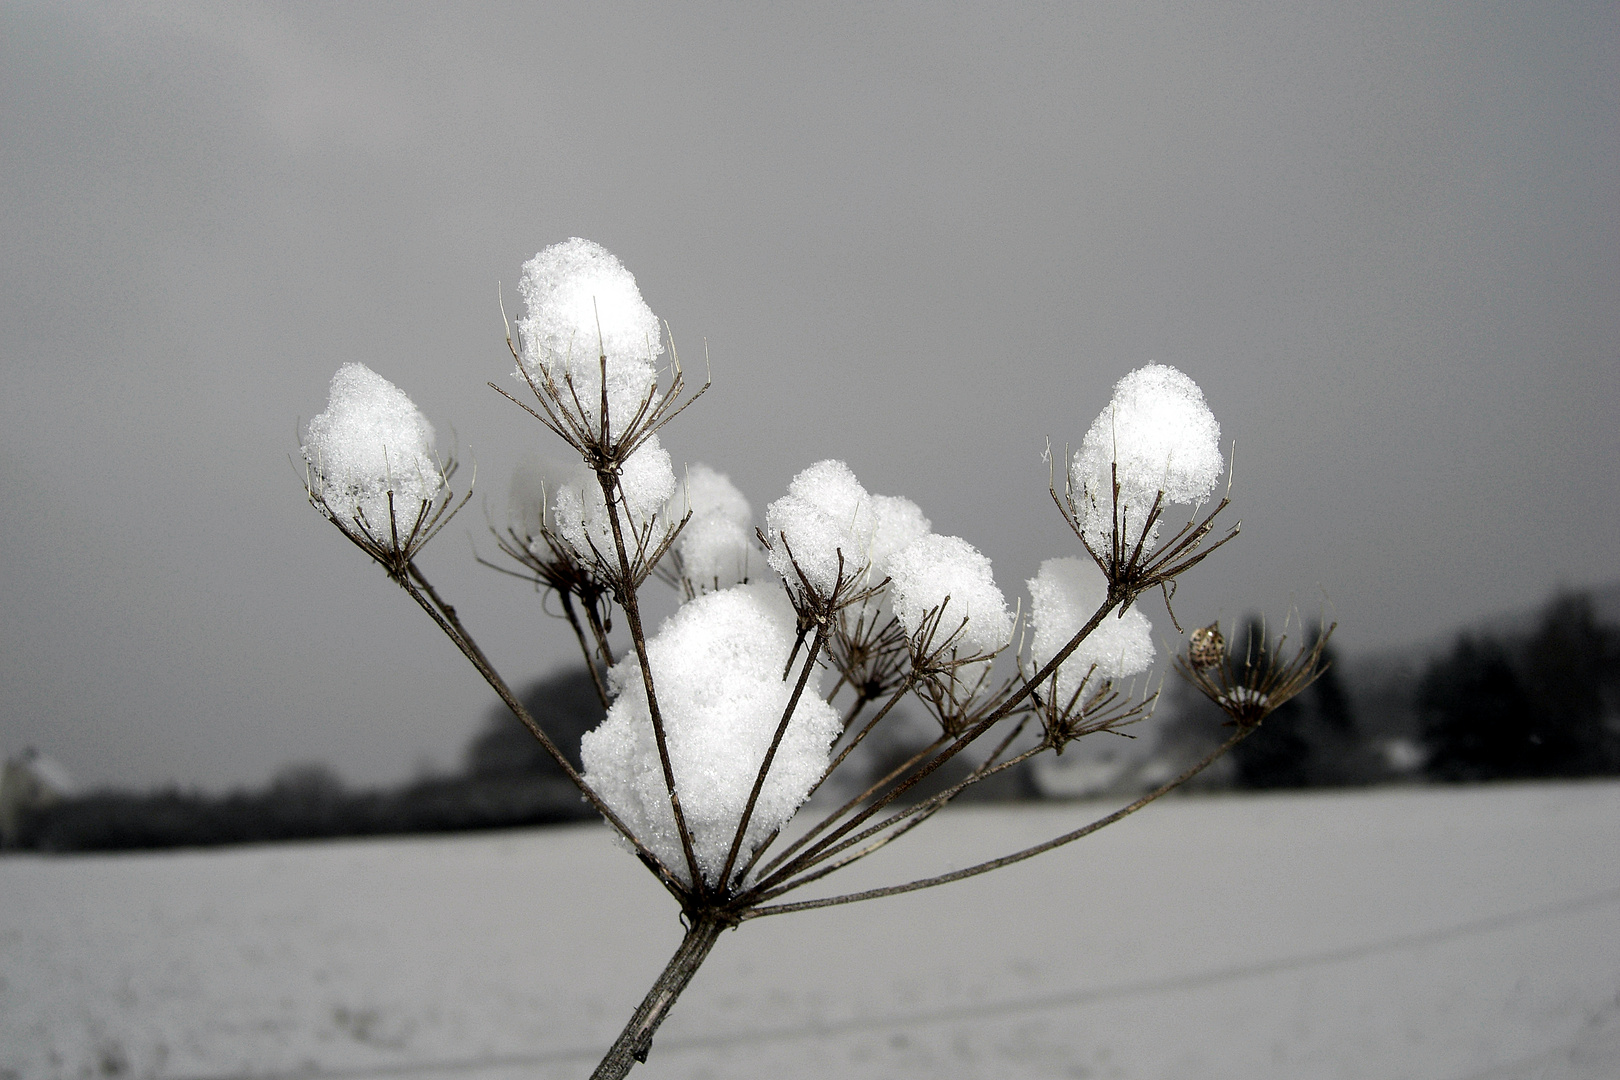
907 820
444 615
635 1040
917 814
770 755
962 741
632 617
1005 860
585 649
853 803
860 736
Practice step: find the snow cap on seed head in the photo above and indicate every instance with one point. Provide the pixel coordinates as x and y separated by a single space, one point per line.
933 568
370 440
1160 433
717 543
582 304
896 522
717 664
826 511
646 480
1063 597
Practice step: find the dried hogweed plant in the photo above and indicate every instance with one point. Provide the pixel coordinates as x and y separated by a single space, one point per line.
795 641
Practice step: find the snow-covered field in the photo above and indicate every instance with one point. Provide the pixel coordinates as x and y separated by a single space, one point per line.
1434 934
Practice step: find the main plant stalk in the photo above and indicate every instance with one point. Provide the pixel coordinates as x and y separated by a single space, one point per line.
636 1039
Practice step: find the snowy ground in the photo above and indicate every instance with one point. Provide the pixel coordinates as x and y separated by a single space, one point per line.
1442 935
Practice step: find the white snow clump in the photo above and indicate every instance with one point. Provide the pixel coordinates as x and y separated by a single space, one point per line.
371 440
646 481
827 511
933 568
1064 595
716 545
717 664
1163 437
896 522
583 304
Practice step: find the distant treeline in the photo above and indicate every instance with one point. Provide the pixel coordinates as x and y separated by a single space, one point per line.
508 781
1541 700
1537 704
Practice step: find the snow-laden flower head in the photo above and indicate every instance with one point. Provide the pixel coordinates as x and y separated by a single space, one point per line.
1163 438
896 522
936 570
646 481
825 513
1063 597
583 304
717 663
371 440
717 544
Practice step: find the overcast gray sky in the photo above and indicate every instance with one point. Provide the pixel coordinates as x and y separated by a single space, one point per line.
1385 239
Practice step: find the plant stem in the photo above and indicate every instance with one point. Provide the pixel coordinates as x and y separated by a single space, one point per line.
417 587
630 604
1017 856
585 648
636 1039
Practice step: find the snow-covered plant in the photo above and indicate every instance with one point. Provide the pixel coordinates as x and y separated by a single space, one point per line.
1156 444
794 642
371 469
716 547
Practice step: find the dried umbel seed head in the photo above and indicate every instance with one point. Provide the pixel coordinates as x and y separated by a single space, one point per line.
1207 647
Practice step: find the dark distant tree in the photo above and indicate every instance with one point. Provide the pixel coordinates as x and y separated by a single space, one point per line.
1340 752
1545 704
1478 719
1328 698
1572 666
565 705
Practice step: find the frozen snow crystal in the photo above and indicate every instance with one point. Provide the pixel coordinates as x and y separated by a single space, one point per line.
371 440
646 481
718 540
932 569
1163 437
1064 595
583 304
717 667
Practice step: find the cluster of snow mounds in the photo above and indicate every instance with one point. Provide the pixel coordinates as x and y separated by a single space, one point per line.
717 543
827 512
1162 436
372 440
583 304
934 570
896 523
646 481
717 668
1064 595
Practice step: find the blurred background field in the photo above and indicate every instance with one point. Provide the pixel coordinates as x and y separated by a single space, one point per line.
1456 933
